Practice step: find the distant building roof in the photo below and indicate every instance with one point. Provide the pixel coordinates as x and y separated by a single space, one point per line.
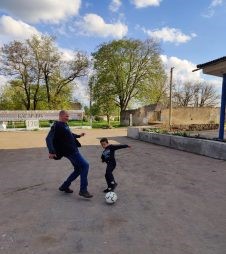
215 67
76 105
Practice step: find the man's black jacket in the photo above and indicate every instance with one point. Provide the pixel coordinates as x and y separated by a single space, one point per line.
61 141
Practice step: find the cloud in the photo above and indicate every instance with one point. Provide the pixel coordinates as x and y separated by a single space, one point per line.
11 29
115 5
3 81
182 72
168 34
145 3
94 25
215 3
81 91
182 68
66 54
42 10
211 8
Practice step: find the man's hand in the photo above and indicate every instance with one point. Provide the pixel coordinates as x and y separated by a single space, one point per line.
82 134
52 155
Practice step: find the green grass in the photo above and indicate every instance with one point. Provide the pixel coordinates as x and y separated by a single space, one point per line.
16 124
104 124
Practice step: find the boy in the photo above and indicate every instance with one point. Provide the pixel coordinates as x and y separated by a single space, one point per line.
108 156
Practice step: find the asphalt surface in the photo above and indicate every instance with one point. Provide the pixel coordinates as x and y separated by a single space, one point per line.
169 201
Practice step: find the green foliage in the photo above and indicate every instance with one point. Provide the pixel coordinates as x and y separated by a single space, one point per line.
12 98
87 110
105 125
95 109
127 69
180 133
165 131
40 77
98 118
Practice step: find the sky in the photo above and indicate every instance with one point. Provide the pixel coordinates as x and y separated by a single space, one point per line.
189 32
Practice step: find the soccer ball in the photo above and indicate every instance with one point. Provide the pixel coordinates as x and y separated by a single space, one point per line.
111 197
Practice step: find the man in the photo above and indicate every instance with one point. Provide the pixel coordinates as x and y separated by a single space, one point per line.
61 142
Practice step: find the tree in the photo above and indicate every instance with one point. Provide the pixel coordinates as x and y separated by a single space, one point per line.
208 95
127 69
184 95
104 102
16 63
46 57
58 75
106 106
11 98
36 64
195 94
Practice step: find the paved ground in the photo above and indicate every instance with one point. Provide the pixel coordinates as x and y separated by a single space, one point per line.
170 202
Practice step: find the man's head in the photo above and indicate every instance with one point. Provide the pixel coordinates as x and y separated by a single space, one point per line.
104 142
63 116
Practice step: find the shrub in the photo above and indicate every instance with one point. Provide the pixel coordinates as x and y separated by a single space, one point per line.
98 118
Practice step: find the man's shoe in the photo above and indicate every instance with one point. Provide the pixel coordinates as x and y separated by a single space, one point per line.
67 190
85 194
107 190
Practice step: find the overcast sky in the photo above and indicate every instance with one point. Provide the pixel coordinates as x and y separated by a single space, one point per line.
189 32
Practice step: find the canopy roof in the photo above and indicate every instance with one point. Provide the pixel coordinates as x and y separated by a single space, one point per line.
215 67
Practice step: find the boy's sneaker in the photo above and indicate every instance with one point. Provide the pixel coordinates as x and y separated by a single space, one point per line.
114 186
107 190
67 190
85 194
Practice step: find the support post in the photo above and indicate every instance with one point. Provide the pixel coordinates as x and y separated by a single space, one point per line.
170 98
130 120
90 104
222 111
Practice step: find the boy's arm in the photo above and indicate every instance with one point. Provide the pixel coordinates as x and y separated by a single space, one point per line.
102 158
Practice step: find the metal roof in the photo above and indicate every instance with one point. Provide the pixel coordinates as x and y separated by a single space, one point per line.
219 60
215 67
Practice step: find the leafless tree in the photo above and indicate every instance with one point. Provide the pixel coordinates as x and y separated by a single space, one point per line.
195 94
208 95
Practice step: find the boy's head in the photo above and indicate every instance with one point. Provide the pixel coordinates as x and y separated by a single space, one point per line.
104 142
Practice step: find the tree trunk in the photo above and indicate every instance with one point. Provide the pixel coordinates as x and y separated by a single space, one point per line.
123 119
108 120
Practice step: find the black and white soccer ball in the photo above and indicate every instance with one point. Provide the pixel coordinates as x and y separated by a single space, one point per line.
111 197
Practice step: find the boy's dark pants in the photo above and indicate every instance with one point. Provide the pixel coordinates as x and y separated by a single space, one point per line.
109 175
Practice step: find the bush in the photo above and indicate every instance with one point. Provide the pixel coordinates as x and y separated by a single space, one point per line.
98 118
85 118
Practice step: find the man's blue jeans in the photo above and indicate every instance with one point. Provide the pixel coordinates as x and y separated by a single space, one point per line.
81 167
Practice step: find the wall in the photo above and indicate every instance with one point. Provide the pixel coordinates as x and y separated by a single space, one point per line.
191 115
210 148
155 113
142 116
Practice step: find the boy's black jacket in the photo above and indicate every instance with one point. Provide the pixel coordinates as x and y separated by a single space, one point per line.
108 154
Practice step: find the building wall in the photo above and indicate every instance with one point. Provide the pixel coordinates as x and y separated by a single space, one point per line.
155 113
142 116
191 116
